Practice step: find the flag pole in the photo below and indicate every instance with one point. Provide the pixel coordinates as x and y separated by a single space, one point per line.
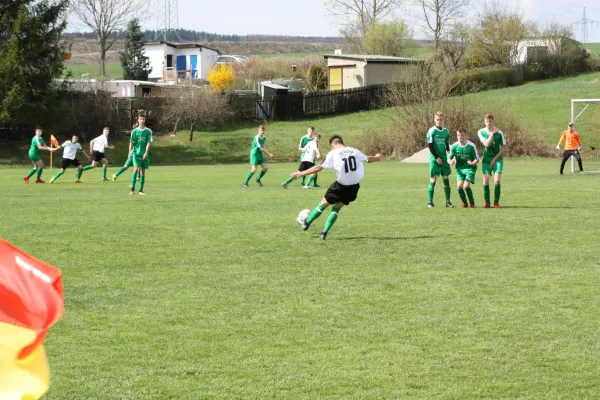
51 158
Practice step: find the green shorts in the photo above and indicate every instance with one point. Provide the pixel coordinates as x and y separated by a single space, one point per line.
436 170
466 174
129 162
485 168
140 163
34 157
257 160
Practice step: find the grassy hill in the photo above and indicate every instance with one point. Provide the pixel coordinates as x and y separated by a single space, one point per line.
541 107
594 48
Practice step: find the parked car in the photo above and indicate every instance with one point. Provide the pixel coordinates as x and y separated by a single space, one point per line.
232 59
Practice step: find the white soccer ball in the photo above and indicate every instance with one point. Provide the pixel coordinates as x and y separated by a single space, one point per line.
303 216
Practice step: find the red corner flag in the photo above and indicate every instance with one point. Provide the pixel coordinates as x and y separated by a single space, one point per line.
53 141
30 303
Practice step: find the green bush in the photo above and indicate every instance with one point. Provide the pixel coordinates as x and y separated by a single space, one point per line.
482 79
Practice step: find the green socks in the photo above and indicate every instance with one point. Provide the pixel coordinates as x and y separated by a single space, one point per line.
470 195
463 197
120 171
315 182
87 167
248 177
288 181
497 193
303 180
447 189
58 174
79 172
133 178
486 193
39 172
142 180
331 219
430 191
104 171
260 174
30 174
310 180
314 214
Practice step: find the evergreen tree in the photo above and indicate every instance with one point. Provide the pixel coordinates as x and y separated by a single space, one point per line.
136 65
31 59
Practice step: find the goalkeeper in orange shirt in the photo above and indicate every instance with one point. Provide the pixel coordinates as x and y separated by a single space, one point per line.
572 146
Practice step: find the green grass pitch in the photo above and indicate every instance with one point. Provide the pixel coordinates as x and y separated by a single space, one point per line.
205 290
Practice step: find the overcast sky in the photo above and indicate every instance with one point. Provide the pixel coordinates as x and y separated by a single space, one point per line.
309 17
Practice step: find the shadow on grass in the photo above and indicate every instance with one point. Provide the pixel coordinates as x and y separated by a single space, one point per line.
540 207
383 237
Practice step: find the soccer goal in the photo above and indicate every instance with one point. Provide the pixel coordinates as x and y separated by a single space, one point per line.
585 114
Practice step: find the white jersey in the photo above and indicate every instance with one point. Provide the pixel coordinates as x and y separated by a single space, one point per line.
310 152
100 143
70 149
348 165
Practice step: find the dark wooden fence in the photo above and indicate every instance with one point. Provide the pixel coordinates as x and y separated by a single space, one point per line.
297 105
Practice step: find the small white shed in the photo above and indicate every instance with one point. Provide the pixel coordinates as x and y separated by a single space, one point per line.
172 61
530 50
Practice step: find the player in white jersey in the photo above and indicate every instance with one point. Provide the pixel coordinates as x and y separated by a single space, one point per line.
70 148
348 165
309 156
97 146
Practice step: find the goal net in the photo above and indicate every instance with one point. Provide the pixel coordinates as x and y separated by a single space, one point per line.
585 113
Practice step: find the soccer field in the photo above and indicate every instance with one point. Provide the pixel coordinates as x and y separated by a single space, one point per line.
205 290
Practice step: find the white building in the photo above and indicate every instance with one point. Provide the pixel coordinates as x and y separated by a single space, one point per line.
171 61
530 50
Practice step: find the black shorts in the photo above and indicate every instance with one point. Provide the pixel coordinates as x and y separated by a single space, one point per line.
304 165
97 156
341 193
66 162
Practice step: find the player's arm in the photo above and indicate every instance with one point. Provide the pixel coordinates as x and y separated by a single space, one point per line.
300 148
487 142
578 140
451 157
147 150
561 141
318 154
375 158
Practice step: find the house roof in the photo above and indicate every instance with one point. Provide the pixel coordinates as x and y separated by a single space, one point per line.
550 37
141 83
178 45
374 58
274 85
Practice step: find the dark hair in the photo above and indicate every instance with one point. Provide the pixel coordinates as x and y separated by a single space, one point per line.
76 135
317 134
106 127
39 128
489 116
261 127
336 139
462 130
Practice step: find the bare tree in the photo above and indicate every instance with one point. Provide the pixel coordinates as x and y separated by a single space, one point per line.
361 14
453 47
193 107
438 15
105 18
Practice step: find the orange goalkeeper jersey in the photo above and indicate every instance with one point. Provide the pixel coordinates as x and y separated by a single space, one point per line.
572 140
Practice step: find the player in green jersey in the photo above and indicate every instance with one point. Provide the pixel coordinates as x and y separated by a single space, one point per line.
139 147
256 157
310 134
493 141
438 142
37 144
464 155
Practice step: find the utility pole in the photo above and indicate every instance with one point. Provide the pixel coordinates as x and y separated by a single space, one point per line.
584 22
167 20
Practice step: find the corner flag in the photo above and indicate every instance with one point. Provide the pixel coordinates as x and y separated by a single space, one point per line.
53 141
30 303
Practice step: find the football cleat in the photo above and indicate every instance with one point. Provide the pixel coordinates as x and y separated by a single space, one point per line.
323 235
496 205
302 223
449 205
464 206
105 179
259 183
40 181
245 185
473 205
52 180
114 177
78 181
141 193
284 185
582 173
315 185
487 205
306 187
430 205
132 193
26 179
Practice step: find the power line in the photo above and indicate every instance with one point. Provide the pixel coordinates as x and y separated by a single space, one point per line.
584 22
167 19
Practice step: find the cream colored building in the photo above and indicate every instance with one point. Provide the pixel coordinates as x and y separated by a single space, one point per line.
349 71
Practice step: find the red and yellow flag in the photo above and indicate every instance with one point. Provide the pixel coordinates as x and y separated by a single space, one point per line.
53 141
30 303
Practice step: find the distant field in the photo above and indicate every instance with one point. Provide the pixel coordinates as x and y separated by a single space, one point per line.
113 70
594 47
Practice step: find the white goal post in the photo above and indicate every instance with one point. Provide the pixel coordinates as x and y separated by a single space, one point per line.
585 114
